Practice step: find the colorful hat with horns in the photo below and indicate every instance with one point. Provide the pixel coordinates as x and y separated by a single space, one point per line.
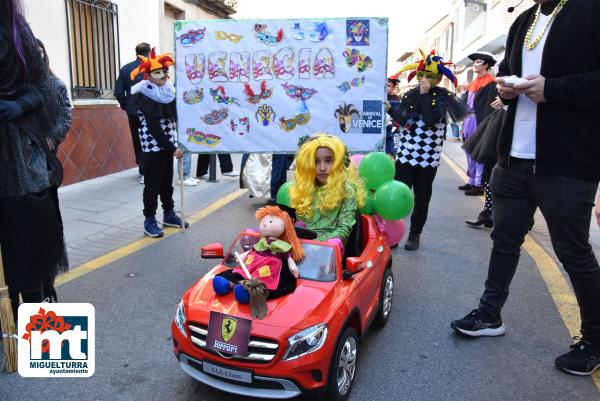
432 63
154 62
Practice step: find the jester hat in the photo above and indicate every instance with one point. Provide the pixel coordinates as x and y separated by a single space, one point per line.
154 62
432 63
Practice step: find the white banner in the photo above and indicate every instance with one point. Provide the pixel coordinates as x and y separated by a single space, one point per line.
260 85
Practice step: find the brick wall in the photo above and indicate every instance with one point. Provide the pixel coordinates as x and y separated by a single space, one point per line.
98 143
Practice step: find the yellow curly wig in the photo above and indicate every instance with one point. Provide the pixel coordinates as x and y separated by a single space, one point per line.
343 181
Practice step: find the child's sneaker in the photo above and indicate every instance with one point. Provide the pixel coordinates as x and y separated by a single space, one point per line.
479 323
581 360
151 228
171 219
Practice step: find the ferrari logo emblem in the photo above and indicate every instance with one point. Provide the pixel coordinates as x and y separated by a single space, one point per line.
228 328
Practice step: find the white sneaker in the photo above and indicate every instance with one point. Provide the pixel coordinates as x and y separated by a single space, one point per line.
188 182
141 179
194 179
231 173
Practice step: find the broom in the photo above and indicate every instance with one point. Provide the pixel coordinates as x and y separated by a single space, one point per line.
8 324
257 290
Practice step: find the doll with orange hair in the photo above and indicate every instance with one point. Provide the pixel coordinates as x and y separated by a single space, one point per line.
264 260
327 189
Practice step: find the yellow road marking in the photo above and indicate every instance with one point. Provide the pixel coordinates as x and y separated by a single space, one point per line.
126 250
559 289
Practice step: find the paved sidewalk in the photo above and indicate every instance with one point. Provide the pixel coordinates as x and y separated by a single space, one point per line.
540 231
105 213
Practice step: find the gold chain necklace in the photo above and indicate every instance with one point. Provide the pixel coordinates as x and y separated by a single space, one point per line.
530 45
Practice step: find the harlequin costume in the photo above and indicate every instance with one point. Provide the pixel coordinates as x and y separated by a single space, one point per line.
480 93
418 145
158 137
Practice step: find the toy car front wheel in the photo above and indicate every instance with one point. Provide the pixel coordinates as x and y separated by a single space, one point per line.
343 367
386 296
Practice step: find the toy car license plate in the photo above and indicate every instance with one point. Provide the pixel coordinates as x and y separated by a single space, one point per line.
226 373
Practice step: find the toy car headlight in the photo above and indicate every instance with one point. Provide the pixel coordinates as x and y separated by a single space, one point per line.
180 318
307 341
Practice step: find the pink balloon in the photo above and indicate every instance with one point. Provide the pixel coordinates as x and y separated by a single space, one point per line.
393 229
356 159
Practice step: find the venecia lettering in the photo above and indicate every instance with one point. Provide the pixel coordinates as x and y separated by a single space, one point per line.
285 64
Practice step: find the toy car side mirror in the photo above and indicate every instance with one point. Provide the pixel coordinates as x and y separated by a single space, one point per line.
212 251
353 265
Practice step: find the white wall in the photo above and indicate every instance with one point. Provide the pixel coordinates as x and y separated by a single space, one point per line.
138 22
49 23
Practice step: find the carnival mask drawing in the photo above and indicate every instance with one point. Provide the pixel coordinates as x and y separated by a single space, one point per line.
193 96
194 67
264 36
202 138
240 126
191 37
216 67
255 98
265 114
357 32
300 94
344 115
219 96
318 32
215 116
324 66
290 124
354 57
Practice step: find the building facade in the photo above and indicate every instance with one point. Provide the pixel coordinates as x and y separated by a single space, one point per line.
470 26
87 42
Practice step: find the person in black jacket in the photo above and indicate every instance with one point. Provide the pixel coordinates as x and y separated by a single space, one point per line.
123 95
31 234
548 158
480 94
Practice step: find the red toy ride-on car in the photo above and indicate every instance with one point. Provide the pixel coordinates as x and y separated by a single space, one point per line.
308 341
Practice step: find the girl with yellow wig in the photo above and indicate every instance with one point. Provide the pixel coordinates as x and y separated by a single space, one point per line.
327 190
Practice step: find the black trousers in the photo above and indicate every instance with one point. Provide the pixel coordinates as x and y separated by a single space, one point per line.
420 180
204 161
33 249
280 165
566 204
158 181
134 125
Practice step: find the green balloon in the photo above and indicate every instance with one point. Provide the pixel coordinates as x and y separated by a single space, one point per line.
369 206
393 200
283 194
376 168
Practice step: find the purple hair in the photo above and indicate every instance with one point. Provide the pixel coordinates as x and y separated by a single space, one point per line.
21 38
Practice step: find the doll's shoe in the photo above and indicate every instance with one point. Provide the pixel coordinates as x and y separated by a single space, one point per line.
241 294
221 285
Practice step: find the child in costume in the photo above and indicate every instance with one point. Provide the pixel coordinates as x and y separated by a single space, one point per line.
481 93
422 118
327 190
155 98
265 263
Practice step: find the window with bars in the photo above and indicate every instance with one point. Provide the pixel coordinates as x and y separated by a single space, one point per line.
93 47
